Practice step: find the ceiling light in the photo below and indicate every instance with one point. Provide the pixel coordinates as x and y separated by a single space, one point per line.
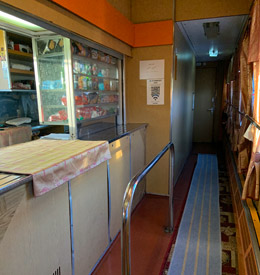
213 52
211 29
18 21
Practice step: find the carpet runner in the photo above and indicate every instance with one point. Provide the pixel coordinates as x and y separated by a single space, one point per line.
198 245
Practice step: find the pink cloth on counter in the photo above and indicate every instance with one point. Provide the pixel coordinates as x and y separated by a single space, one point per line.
15 135
53 162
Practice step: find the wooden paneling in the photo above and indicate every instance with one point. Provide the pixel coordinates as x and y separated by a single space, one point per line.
37 238
90 217
119 166
199 9
123 6
151 10
157 116
58 16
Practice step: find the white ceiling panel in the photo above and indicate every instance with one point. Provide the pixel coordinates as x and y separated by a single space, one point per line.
230 29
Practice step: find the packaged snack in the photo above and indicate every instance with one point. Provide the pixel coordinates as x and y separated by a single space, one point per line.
101 86
92 98
78 100
94 54
106 84
64 100
88 69
108 59
94 69
100 74
94 83
85 83
89 83
102 56
113 60
85 99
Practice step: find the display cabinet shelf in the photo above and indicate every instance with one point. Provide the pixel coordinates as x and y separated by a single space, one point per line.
17 71
92 60
99 77
20 55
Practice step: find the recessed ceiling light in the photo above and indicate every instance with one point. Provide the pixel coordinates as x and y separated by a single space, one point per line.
213 52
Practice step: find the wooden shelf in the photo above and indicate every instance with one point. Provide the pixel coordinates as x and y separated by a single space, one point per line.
20 54
17 71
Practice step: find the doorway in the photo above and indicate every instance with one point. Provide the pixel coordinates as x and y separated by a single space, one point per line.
204 106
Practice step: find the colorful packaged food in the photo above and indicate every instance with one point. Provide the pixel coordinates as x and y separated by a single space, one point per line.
94 83
94 54
101 56
101 86
94 69
107 84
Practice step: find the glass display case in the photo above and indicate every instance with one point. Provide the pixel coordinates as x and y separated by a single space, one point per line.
75 83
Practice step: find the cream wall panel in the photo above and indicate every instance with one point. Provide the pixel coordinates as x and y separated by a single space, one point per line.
151 10
138 143
58 16
124 6
119 167
199 9
90 217
157 116
182 113
37 235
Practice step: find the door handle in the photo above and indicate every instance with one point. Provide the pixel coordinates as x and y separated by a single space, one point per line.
211 110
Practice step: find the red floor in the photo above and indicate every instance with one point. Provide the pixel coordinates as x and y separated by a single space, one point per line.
149 243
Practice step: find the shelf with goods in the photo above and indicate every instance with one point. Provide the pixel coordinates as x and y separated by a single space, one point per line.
17 71
72 88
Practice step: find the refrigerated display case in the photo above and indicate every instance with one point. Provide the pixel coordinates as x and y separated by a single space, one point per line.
76 84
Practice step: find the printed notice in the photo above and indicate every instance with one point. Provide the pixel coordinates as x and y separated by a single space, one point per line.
152 69
155 92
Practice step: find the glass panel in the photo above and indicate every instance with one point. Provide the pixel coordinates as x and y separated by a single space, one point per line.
95 76
51 80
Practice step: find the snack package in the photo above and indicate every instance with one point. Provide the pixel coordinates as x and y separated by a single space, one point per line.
106 84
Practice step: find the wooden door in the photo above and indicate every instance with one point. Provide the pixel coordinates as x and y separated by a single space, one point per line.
204 106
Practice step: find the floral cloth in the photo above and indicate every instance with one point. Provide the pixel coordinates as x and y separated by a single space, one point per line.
53 162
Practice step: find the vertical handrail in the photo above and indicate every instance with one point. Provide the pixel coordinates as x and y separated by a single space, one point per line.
127 206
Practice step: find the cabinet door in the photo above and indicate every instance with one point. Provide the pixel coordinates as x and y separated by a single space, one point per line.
35 232
90 217
138 145
119 167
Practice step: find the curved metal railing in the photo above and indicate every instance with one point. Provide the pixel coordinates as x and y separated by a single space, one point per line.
127 206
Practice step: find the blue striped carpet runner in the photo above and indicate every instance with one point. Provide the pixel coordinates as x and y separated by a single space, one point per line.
198 245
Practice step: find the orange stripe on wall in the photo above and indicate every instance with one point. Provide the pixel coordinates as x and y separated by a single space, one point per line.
103 15
154 34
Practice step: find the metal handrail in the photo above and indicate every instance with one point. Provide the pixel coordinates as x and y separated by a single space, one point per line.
245 115
127 206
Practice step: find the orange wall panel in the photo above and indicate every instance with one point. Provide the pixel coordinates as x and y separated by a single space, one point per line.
154 34
103 15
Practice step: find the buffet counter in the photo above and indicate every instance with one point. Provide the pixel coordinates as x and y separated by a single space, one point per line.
60 200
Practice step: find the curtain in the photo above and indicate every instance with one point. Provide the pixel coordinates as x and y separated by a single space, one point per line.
245 88
251 186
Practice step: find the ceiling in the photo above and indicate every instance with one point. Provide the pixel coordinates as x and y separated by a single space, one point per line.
230 29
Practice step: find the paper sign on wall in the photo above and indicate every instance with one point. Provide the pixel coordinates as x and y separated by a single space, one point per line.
155 92
152 69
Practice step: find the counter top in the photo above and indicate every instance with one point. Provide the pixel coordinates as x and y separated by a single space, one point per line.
49 163
115 132
11 181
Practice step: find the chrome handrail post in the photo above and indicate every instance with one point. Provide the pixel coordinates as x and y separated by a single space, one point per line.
127 206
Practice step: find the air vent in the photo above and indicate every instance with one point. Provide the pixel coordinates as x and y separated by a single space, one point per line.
57 271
